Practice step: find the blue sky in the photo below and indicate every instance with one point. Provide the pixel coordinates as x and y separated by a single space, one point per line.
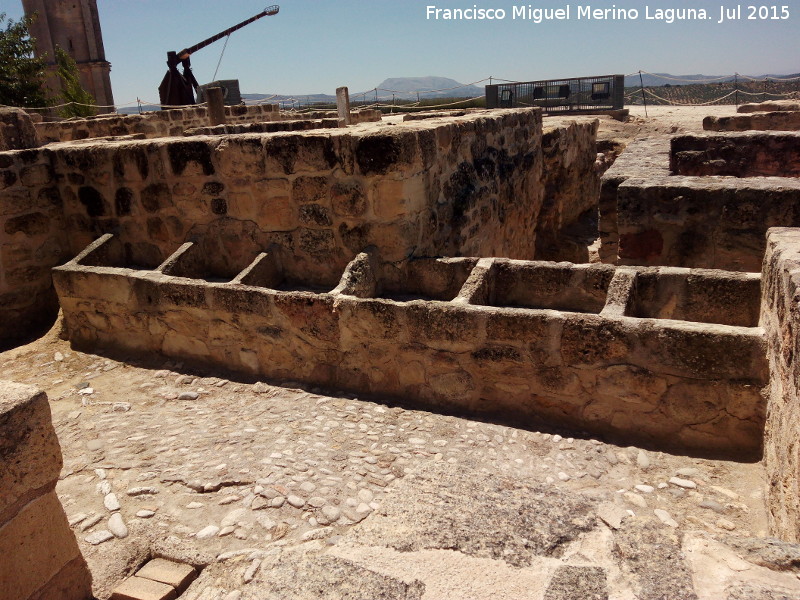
314 46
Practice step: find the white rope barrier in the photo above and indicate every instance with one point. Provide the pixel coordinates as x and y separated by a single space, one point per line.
377 103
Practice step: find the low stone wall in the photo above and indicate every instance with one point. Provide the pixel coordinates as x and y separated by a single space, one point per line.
776 121
737 154
33 239
715 223
528 342
780 318
770 106
172 123
645 157
40 555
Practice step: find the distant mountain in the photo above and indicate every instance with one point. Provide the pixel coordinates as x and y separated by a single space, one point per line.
428 87
657 79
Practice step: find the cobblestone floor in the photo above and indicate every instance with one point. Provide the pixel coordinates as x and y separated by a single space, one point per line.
231 476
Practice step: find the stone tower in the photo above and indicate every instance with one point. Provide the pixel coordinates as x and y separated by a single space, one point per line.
74 25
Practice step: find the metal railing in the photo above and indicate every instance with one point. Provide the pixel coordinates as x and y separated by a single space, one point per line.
579 94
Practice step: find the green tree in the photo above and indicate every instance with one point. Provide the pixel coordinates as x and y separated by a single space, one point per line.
22 76
73 95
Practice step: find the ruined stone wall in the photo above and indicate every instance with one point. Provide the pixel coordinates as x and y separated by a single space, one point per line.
461 186
567 152
522 341
770 106
174 122
715 223
33 239
642 158
780 317
770 154
760 121
40 555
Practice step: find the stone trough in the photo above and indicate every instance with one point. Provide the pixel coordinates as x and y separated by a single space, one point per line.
670 358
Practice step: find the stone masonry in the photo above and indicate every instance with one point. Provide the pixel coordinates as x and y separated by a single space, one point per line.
780 317
526 342
41 559
470 185
173 122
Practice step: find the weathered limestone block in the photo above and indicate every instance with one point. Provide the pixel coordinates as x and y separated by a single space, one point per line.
771 154
16 130
41 558
173 123
716 223
776 121
780 318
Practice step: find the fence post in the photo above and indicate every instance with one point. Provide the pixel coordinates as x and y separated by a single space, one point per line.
644 98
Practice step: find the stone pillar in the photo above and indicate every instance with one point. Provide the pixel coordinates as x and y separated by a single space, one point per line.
40 555
343 105
216 106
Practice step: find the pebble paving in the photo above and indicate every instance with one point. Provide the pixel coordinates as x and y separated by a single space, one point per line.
230 466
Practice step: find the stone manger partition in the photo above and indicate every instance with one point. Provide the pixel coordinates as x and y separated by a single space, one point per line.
612 351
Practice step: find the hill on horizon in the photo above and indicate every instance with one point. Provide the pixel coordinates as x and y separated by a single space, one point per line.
431 86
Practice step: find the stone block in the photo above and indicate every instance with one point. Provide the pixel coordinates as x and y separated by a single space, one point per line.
178 575
38 547
138 588
29 447
761 121
17 131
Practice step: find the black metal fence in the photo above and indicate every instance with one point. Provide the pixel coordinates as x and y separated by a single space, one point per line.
579 94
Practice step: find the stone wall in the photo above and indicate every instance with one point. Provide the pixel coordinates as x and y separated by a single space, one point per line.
166 123
528 342
471 185
33 239
643 157
40 555
770 106
780 318
568 146
760 121
770 154
710 222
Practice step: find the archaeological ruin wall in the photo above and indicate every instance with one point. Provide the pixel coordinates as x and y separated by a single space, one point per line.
622 352
737 154
175 122
471 185
41 559
664 202
784 120
780 317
